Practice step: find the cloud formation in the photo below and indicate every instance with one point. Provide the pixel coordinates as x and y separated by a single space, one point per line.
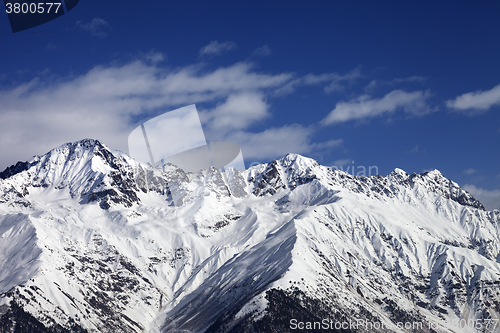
153 57
415 149
414 78
215 48
263 51
414 103
237 112
490 199
469 171
97 27
278 141
333 81
397 81
342 162
107 102
477 102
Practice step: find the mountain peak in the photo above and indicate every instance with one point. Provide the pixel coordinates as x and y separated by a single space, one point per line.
399 177
80 145
399 171
436 182
298 160
433 173
14 169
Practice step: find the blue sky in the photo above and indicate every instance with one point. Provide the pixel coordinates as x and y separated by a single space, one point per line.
413 85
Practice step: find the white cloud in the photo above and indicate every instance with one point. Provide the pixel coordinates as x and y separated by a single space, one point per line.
153 57
279 141
238 111
263 51
342 162
215 48
490 199
334 81
469 171
476 102
97 27
397 81
414 78
414 149
371 86
108 102
414 103
338 82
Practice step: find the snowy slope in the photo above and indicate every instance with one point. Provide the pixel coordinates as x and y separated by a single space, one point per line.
93 241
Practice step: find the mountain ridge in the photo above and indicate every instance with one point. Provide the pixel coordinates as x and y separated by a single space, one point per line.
94 241
434 180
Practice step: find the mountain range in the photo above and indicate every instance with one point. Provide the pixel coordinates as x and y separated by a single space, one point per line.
93 241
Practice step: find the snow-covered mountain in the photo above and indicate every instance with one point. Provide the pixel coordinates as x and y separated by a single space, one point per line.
93 241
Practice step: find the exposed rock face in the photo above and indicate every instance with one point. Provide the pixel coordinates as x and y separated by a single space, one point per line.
93 241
